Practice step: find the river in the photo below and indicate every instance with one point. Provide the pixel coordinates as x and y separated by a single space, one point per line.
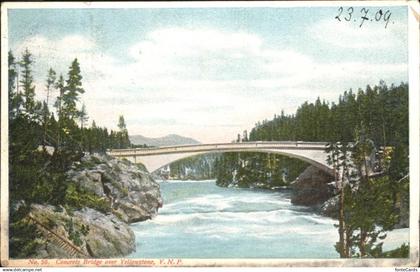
202 220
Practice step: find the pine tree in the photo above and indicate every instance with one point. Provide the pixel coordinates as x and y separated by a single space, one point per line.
46 115
59 85
50 83
59 106
72 91
15 99
83 117
245 136
27 82
123 139
334 159
121 124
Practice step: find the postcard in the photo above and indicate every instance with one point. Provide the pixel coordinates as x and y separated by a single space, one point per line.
210 134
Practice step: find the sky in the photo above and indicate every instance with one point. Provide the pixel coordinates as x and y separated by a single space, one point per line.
210 73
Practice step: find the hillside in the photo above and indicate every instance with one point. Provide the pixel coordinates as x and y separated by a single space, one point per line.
171 139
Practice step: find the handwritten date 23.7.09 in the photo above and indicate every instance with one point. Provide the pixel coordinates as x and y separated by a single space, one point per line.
360 15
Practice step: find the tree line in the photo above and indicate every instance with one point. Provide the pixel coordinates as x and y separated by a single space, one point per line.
381 111
199 167
45 139
252 169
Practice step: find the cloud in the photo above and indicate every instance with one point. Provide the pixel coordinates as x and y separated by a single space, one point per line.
53 53
184 42
203 78
206 54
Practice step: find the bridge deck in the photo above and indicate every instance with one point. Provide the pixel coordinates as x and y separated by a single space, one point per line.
219 147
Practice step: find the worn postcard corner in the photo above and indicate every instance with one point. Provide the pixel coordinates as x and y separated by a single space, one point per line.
210 134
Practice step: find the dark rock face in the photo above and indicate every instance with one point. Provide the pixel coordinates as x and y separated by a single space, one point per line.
130 195
312 187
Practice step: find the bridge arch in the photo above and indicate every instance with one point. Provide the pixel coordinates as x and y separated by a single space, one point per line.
153 166
155 158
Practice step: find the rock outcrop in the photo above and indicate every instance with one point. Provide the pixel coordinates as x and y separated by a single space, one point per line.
126 194
83 234
312 187
132 193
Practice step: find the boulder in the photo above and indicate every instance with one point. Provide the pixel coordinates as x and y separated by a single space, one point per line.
80 234
131 191
312 187
90 181
108 236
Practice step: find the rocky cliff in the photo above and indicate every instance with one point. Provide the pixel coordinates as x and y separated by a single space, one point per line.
312 187
316 189
128 189
111 194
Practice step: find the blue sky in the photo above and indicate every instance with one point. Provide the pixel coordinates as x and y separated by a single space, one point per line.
209 73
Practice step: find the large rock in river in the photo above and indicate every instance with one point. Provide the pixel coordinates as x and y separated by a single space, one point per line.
312 187
130 190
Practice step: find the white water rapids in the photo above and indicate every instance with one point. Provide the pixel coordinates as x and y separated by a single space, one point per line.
201 220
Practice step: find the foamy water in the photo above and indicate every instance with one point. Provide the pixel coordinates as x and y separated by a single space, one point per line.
201 220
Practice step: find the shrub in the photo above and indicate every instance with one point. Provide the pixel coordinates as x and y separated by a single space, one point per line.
79 198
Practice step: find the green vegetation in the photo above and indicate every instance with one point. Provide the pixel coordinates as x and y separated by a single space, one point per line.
376 120
23 234
45 141
254 169
401 252
368 205
74 235
198 167
78 198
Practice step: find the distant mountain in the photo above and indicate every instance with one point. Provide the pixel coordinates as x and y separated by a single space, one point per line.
171 139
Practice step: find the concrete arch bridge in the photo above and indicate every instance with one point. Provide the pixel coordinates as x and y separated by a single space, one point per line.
157 157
